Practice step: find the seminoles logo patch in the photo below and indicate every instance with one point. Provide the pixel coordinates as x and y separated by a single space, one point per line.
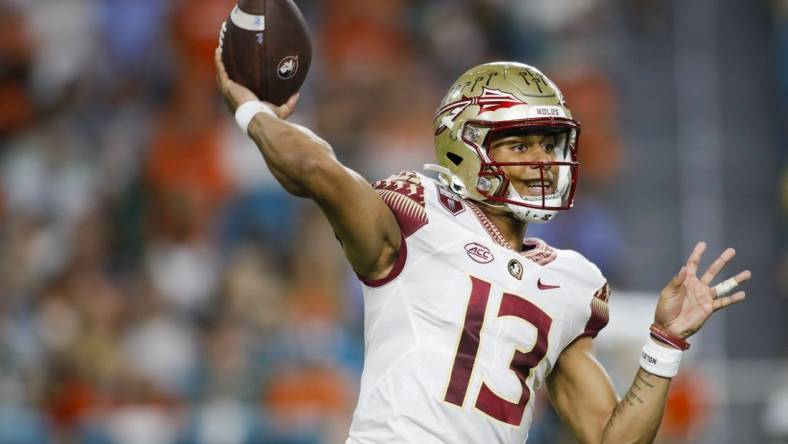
515 269
479 253
490 100
450 201
287 68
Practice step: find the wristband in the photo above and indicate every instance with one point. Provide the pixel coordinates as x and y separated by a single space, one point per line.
667 337
660 360
246 112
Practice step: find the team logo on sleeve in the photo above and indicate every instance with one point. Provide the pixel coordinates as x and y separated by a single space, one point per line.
450 201
479 253
515 269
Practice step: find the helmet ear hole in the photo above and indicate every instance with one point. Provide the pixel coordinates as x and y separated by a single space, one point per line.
455 159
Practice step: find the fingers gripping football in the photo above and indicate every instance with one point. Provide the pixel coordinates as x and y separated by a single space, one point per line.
236 94
288 108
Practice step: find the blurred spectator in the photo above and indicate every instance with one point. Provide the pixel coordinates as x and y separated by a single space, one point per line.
67 49
16 64
687 410
195 33
132 30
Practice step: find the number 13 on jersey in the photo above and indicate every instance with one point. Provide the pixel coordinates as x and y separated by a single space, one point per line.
522 363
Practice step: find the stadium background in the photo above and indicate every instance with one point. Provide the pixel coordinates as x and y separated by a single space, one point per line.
156 285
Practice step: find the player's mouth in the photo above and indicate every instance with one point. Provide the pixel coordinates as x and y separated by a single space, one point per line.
538 187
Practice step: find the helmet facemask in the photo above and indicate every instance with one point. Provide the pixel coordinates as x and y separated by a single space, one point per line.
496 186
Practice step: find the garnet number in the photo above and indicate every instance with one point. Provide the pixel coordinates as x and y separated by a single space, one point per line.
522 363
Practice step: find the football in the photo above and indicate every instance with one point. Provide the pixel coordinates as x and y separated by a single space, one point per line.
266 47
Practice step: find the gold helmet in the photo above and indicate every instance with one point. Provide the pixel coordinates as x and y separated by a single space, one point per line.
487 100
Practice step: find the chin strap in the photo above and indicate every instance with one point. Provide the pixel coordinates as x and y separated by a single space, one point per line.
450 180
447 178
442 170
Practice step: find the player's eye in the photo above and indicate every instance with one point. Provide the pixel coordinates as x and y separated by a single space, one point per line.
549 148
519 148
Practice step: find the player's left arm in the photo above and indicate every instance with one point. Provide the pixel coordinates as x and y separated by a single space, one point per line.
585 399
582 392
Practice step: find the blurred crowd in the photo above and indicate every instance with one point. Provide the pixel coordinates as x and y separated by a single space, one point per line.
781 26
156 284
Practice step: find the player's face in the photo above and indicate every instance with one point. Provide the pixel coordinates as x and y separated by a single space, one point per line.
528 180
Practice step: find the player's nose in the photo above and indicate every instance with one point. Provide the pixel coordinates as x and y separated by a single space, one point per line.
538 154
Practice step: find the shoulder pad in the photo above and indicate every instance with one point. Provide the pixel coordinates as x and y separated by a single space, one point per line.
600 313
404 194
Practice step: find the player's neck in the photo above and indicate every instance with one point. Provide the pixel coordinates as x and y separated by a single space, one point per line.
512 229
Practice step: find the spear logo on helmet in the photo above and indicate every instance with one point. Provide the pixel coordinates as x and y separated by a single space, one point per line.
489 100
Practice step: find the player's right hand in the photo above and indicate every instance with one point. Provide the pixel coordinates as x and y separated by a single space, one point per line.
236 94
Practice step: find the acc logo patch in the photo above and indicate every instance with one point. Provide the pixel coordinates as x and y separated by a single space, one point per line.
479 253
287 68
515 269
450 201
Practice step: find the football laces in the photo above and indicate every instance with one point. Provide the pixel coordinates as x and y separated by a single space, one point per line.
221 35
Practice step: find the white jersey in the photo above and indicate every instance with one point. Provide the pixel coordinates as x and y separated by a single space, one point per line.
464 330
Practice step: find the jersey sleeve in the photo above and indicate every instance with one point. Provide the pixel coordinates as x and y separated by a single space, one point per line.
600 315
404 195
592 292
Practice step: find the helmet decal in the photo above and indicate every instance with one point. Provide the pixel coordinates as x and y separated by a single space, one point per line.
489 100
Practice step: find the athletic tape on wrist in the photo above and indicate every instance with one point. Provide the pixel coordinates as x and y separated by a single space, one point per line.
659 360
246 112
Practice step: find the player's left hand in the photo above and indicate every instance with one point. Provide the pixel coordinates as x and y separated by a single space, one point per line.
688 301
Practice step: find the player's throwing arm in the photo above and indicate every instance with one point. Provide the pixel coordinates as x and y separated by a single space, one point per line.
306 166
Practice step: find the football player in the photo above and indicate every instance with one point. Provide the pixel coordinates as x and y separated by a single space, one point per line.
465 318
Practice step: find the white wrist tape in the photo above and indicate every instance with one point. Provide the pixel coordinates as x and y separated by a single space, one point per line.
246 112
659 360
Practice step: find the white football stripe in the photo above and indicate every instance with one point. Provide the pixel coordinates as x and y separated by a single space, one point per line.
247 21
